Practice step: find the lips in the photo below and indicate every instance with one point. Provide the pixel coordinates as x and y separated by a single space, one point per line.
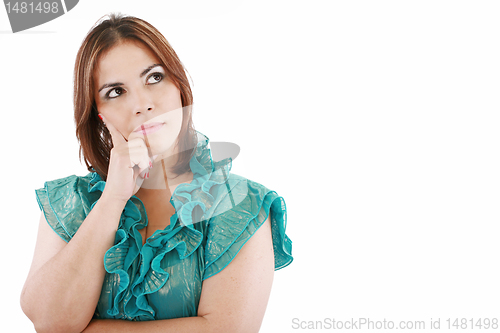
149 128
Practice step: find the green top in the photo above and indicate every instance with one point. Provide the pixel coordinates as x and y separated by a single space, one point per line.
216 214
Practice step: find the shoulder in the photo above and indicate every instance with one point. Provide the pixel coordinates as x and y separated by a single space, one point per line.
238 195
252 187
243 209
241 178
69 191
66 202
69 184
254 196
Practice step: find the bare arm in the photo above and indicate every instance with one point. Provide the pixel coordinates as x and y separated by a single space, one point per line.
65 280
233 300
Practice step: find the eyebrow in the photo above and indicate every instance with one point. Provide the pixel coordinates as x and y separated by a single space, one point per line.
116 84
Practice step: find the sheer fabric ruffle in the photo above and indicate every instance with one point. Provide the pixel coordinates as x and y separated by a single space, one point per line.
216 214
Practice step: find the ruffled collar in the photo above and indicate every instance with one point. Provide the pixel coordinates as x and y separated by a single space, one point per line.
194 202
206 175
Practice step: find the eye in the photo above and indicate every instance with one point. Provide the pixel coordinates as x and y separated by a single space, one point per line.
117 92
155 78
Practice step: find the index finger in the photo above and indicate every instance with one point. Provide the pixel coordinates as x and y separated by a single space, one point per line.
116 136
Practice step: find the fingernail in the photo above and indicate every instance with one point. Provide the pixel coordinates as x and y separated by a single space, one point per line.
150 164
99 116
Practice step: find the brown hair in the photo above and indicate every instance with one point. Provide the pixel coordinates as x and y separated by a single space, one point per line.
95 139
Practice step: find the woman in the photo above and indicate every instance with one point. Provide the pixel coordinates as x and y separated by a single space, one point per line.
158 236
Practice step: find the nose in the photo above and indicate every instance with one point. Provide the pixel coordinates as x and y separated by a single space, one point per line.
143 102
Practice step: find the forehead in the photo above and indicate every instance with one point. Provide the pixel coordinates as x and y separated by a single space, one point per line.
126 58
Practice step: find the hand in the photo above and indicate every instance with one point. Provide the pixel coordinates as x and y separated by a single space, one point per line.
129 165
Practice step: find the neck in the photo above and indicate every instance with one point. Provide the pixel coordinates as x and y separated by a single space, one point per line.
161 176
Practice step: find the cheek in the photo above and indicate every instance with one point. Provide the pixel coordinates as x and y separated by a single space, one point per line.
174 124
115 117
114 110
168 98
173 117
175 120
108 113
98 105
178 117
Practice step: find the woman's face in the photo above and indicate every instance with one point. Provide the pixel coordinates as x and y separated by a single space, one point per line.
132 89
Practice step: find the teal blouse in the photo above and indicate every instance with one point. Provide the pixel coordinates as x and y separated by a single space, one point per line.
216 214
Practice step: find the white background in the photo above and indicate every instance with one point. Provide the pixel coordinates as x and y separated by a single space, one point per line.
377 121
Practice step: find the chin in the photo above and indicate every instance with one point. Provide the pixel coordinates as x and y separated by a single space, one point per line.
161 149
162 143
